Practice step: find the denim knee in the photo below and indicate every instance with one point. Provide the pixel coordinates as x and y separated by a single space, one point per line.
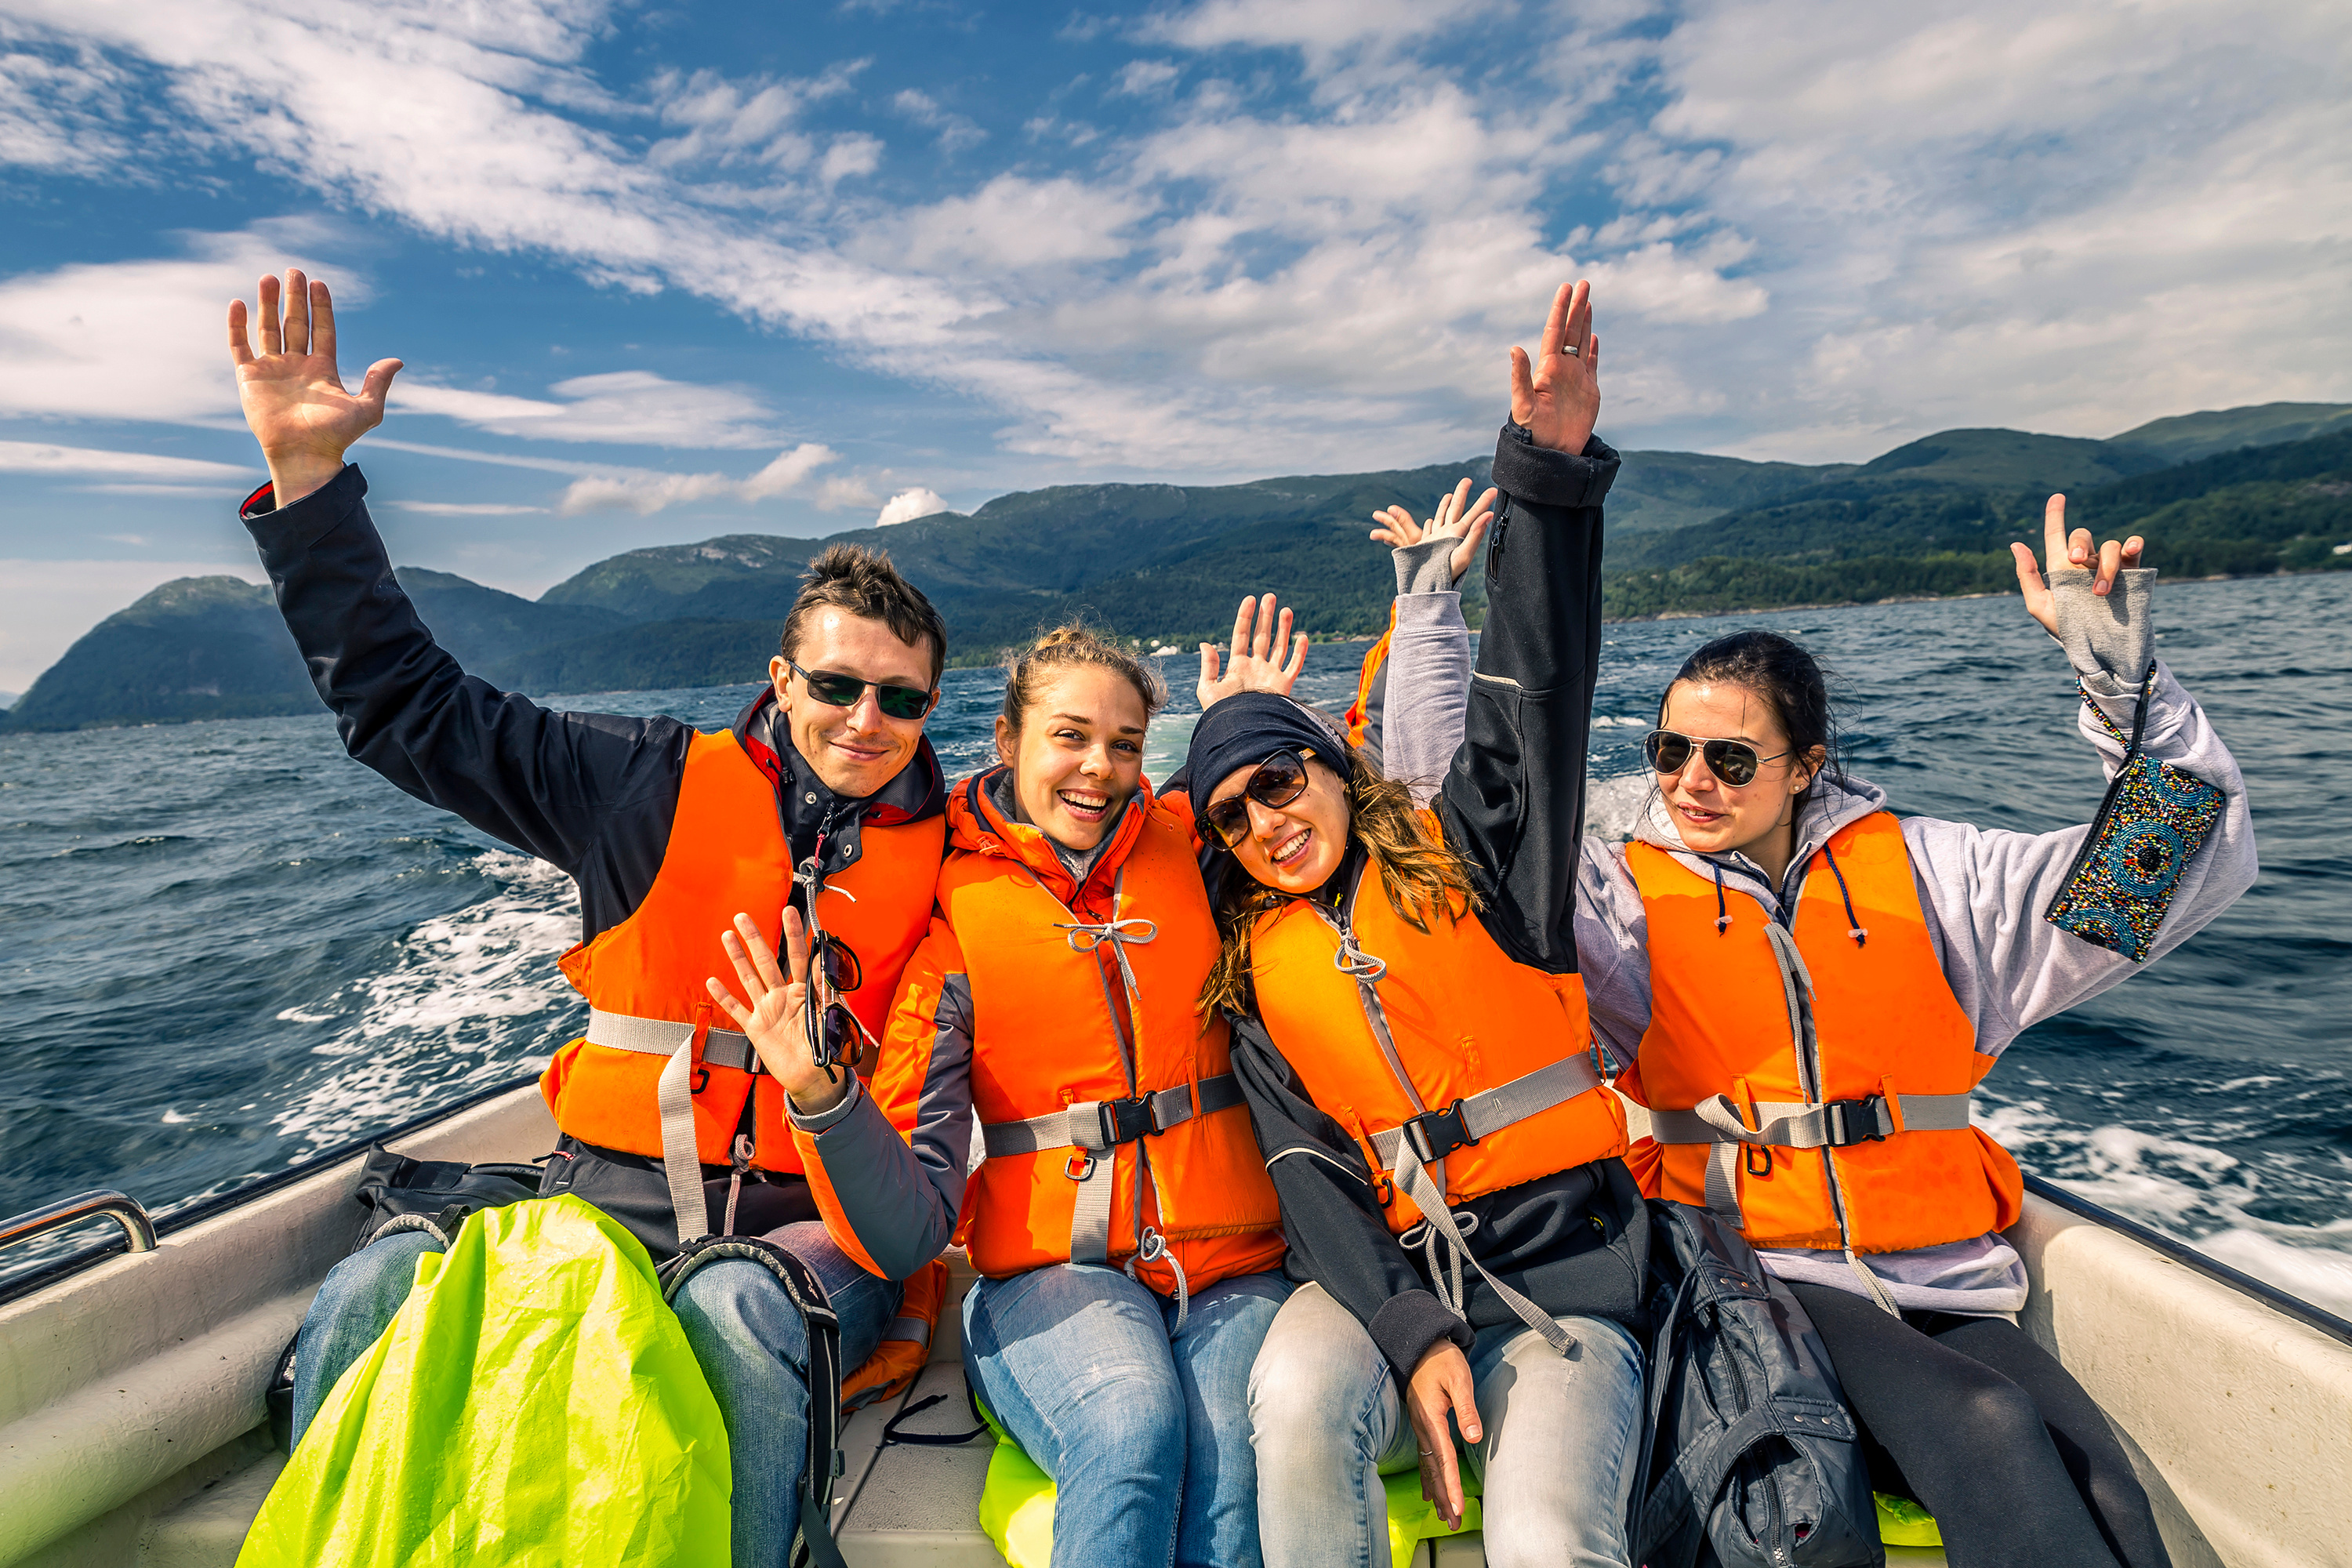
737 1302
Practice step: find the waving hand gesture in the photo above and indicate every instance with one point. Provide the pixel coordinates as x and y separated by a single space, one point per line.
1558 396
1456 519
293 395
2062 548
1260 637
773 1019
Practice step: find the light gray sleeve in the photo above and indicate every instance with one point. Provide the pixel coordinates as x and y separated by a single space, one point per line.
1428 688
1612 951
1985 891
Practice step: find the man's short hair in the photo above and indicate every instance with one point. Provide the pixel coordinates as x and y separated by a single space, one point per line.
863 582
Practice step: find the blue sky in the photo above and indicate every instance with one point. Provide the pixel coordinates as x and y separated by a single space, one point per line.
661 273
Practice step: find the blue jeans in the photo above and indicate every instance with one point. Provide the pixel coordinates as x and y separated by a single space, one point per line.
1144 1429
1557 1462
745 1333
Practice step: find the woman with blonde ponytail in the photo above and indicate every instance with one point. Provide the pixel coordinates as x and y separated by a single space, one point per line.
1125 1230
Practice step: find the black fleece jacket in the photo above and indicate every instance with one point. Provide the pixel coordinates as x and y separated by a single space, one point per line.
591 794
1513 806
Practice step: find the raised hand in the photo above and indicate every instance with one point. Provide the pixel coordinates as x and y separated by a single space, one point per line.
293 396
773 1019
1558 397
1438 1384
2063 550
1259 638
1456 519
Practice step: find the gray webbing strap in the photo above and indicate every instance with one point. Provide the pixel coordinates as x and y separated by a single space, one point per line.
662 1036
1080 1126
1723 1185
1792 1124
1412 1179
908 1328
1493 1109
681 1160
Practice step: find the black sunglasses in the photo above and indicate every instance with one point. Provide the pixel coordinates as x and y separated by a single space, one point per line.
834 1032
1275 783
1733 762
842 690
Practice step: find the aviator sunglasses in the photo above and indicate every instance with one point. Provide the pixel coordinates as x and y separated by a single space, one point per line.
1277 781
842 691
1733 762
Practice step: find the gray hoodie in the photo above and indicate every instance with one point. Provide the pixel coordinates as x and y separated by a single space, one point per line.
1982 890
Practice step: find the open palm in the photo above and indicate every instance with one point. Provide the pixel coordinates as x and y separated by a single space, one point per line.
293 395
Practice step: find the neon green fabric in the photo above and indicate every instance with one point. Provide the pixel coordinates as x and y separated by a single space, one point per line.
1016 1507
534 1404
1902 1523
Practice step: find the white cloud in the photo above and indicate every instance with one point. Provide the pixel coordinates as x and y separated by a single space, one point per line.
908 505
1828 222
627 406
41 457
647 491
464 508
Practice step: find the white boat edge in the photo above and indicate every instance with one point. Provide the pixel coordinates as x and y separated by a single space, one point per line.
132 1428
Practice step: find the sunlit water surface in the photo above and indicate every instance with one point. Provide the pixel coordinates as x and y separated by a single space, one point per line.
224 946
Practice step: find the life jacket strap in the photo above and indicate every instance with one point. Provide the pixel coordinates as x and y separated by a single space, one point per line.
1437 1133
1792 1124
1092 1126
1096 1125
662 1037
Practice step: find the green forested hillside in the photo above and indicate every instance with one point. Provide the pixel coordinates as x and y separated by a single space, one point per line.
1688 533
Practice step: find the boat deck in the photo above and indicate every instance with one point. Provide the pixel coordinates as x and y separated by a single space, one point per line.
133 1429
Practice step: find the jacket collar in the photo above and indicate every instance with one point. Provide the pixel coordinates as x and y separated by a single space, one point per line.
980 819
808 808
1829 809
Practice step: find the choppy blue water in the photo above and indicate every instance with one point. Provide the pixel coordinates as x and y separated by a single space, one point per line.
224 946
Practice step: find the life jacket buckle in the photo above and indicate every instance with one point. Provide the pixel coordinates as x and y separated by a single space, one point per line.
1434 1134
1851 1122
1125 1120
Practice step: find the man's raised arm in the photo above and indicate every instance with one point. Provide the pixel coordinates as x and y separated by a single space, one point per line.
551 784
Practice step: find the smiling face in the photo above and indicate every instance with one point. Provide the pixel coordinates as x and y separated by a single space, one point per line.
858 749
1293 848
1715 818
1078 758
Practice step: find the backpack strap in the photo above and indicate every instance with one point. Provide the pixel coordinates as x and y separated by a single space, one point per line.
813 1541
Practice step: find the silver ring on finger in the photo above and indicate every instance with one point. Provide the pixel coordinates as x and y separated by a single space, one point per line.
1570 350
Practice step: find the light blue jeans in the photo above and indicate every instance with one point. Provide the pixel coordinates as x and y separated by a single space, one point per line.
1557 1462
745 1331
1144 1427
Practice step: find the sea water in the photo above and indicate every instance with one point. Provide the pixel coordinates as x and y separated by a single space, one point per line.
225 947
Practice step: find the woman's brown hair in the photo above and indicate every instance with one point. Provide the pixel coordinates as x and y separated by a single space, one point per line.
1065 649
1422 875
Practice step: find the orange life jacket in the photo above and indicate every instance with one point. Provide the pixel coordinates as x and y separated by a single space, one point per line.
905 1344
644 977
1359 711
1394 1030
1882 1157
1093 1064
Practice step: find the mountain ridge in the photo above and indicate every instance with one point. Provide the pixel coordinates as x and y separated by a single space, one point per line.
1689 533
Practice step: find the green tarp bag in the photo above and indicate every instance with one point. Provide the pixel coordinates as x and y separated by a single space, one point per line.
533 1405
1016 1506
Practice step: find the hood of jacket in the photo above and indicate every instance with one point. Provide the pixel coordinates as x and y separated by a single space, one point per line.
1829 806
980 822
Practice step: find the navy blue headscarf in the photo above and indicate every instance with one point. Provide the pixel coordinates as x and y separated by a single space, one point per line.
1243 730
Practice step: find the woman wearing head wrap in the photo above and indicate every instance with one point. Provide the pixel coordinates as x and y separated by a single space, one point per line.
1415 1047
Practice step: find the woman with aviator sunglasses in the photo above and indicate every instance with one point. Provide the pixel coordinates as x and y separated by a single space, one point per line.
1807 988
1412 1035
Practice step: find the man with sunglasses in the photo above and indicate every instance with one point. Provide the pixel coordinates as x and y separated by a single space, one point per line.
823 796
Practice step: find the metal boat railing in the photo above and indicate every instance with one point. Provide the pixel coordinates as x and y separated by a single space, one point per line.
138 1230
34 1279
